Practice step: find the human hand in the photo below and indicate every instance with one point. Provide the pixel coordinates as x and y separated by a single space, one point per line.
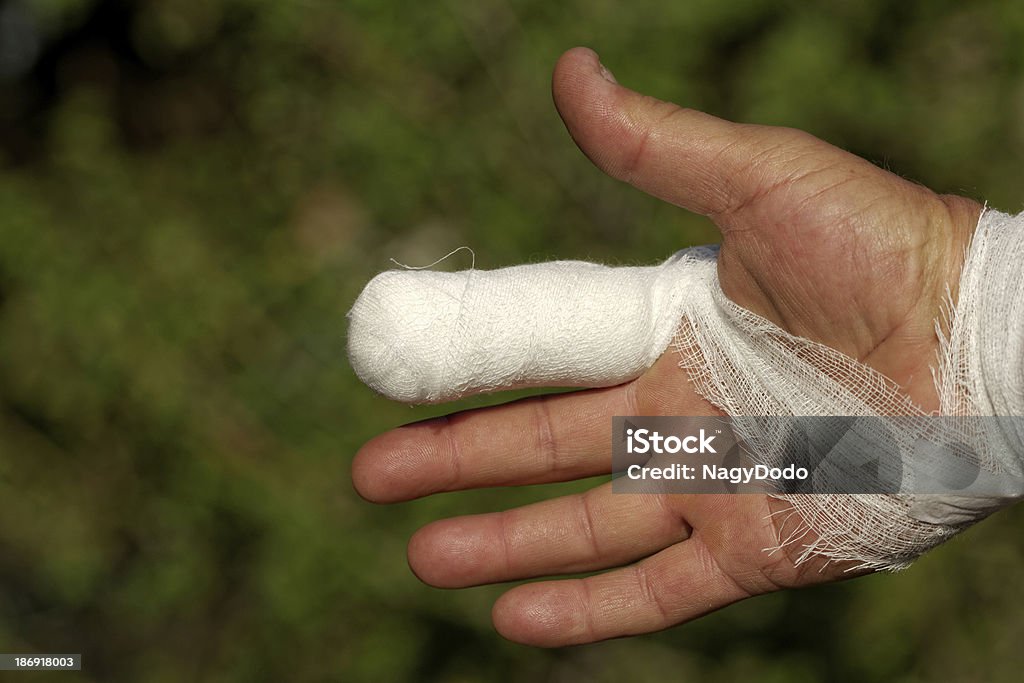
822 243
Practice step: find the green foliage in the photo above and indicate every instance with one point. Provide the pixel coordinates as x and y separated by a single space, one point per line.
191 195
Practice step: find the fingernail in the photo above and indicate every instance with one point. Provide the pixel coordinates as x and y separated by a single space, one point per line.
608 75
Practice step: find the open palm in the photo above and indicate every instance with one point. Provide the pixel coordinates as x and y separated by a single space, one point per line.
823 243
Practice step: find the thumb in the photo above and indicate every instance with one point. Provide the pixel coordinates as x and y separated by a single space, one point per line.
686 157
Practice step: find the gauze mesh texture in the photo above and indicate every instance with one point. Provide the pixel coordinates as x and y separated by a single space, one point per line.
424 337
747 366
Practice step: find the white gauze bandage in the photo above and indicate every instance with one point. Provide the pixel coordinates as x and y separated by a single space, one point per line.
422 337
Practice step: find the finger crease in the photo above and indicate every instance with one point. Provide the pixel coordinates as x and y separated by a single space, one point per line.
506 544
545 437
454 453
649 592
588 605
712 567
629 169
589 529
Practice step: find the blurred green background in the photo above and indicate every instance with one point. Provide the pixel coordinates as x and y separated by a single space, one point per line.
192 192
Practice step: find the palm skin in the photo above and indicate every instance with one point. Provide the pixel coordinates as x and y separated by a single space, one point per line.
823 243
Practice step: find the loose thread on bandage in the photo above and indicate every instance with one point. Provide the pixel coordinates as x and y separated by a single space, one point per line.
428 337
472 265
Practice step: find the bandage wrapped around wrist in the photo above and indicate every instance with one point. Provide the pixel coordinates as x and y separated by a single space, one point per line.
423 337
